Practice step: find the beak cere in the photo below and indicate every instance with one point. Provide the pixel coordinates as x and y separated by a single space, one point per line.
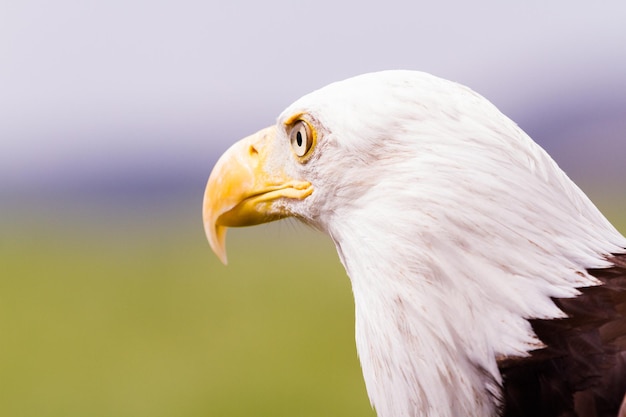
240 192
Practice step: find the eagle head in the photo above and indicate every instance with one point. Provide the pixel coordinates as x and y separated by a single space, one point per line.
455 228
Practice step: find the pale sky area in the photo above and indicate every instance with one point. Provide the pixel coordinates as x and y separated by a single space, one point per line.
105 88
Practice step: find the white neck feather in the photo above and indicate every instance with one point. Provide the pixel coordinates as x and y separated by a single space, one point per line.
439 302
448 258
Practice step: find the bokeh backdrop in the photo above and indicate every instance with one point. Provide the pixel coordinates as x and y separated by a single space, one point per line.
112 114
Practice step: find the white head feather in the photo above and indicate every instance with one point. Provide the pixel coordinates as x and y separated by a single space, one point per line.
454 227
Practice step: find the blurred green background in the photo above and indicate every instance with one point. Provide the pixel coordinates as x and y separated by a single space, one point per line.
112 310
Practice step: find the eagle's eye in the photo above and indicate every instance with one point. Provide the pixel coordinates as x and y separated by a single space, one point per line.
301 138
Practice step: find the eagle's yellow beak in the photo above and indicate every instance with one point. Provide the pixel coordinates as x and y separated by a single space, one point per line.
241 192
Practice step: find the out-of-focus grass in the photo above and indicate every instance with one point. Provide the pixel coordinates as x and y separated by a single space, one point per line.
614 208
121 313
141 319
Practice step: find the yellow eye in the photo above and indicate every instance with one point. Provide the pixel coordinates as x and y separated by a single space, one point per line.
301 138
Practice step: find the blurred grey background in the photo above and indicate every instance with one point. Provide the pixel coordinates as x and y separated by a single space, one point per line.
144 95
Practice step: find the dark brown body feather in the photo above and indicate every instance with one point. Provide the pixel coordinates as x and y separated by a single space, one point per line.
582 370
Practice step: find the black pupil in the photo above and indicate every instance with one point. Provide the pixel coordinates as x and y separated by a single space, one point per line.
299 138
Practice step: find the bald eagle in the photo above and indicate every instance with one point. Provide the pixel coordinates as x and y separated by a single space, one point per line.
485 282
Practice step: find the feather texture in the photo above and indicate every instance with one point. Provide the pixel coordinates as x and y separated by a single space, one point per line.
582 370
476 264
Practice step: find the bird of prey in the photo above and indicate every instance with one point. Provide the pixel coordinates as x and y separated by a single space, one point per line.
485 282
